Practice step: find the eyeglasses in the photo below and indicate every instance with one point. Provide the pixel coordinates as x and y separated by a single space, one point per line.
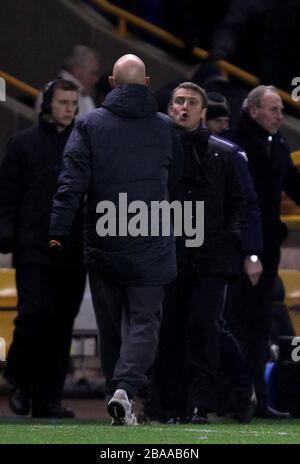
190 100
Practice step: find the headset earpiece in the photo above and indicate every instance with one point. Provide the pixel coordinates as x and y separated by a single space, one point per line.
48 95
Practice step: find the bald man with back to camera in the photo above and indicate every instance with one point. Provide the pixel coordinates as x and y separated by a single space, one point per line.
126 147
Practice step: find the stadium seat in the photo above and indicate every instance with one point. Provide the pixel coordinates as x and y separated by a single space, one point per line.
290 212
296 157
8 304
291 282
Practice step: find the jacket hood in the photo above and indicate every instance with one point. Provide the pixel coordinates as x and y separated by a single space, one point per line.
131 101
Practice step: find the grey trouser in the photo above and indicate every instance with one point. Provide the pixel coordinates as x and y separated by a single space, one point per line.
128 320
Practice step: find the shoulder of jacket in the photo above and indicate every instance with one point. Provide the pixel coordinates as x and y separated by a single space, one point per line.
25 135
165 118
230 147
222 146
223 143
92 118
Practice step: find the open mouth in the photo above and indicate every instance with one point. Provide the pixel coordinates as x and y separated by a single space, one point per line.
183 116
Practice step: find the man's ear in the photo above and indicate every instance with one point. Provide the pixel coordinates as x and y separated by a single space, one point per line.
253 111
203 115
147 80
111 81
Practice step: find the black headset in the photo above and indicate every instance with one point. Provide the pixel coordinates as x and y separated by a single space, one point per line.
48 93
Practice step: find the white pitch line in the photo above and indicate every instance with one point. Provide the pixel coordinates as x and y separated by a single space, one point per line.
212 431
242 432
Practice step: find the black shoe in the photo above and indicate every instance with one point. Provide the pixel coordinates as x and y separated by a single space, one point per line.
53 410
199 416
173 421
270 413
19 401
244 405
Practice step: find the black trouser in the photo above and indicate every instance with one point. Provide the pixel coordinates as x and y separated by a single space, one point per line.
233 365
185 370
49 300
232 359
128 320
247 312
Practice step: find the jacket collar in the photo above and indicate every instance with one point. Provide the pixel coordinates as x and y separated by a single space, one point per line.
248 125
198 137
131 101
47 126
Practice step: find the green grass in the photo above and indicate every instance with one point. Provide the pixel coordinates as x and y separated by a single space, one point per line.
18 431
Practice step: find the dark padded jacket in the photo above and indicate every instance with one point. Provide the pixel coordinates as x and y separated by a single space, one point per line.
28 181
124 146
210 175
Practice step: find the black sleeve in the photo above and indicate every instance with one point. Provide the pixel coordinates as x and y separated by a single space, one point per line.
292 182
252 237
234 200
10 188
176 168
73 182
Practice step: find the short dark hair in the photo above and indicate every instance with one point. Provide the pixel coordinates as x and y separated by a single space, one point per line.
195 88
50 88
65 84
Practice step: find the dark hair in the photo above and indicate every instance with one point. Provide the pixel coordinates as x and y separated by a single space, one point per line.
50 88
195 88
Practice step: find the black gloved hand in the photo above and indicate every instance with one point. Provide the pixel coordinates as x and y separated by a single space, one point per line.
56 245
6 244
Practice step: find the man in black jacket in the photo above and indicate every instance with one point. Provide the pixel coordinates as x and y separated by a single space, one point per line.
194 302
272 171
122 151
50 292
